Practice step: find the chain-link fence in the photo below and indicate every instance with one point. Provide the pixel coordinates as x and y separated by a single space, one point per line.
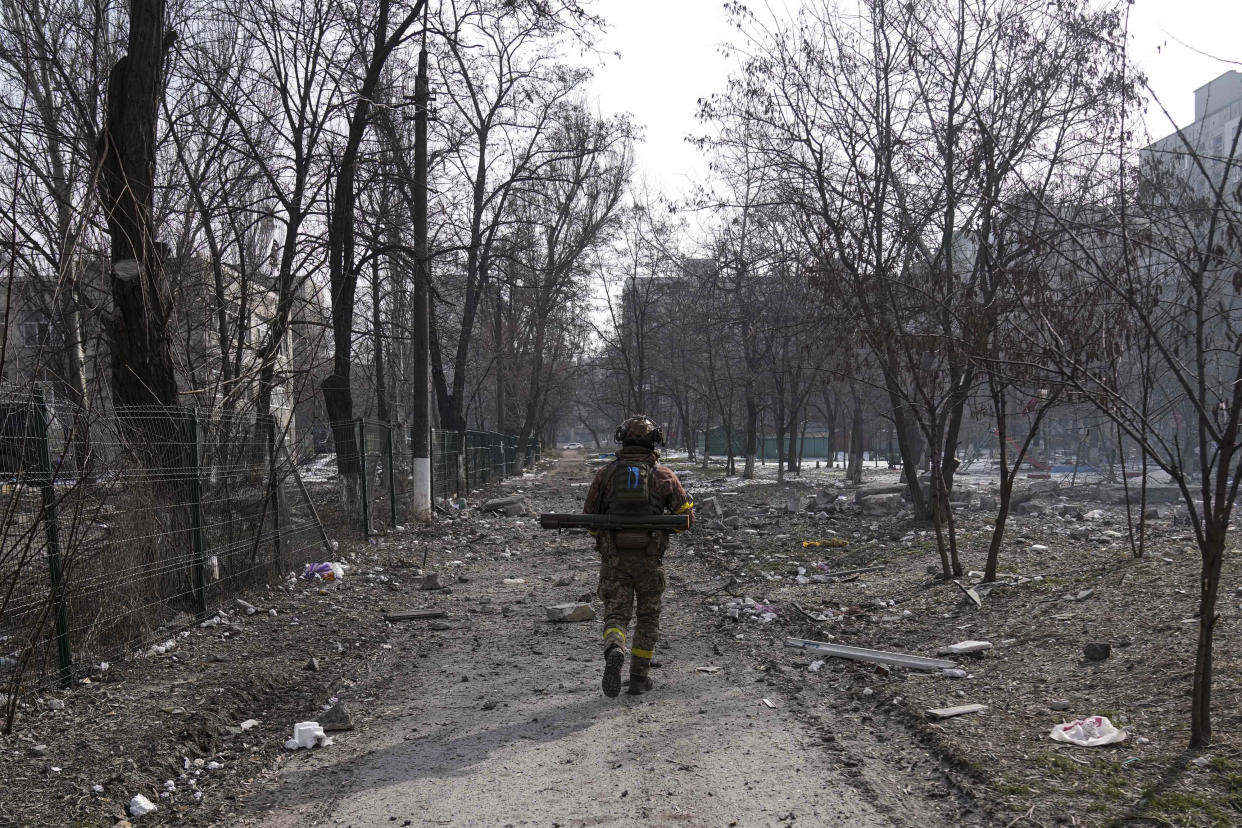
482 457
115 524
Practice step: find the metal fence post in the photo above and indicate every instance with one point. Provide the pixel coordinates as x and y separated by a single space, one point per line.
51 530
194 473
366 489
392 482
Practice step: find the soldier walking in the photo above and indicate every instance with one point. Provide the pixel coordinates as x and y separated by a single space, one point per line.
631 572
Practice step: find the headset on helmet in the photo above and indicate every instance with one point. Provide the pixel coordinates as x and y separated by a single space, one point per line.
640 429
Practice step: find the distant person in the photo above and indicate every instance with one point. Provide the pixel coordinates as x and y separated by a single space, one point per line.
632 560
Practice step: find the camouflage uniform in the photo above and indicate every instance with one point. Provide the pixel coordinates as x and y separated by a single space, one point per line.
630 577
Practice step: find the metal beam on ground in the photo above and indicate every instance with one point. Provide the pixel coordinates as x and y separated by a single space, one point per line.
875 656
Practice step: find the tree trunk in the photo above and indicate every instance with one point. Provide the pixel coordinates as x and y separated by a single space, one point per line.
998 531
853 469
752 429
142 364
1212 551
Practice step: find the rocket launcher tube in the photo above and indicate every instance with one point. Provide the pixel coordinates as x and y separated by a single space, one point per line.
667 523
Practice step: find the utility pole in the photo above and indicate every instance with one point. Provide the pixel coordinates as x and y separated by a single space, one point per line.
421 425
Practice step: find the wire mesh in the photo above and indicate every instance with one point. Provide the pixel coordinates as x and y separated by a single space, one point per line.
115 524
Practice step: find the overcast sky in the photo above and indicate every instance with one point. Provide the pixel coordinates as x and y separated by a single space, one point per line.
670 57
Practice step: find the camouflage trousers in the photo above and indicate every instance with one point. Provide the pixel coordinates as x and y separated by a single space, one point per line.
630 579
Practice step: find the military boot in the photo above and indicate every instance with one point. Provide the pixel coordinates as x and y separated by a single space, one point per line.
614 658
640 681
640 685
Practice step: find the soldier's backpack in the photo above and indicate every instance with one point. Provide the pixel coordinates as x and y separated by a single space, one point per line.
631 491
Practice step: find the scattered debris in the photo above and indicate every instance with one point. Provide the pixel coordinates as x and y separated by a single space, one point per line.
841 573
875 656
1097 650
512 506
966 647
970 593
834 541
1059 704
312 665
1090 732
329 571
769 703
431 581
140 806
412 615
515 581
570 612
817 617
954 672
249 723
950 712
308 735
337 717
250 609
708 669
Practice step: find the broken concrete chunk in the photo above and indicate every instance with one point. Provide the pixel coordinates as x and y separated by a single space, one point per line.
950 712
432 581
1059 704
140 806
570 612
337 717
884 504
797 502
511 506
709 509
971 594
412 615
965 647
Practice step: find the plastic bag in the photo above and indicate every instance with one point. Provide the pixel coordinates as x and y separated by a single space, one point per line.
1089 732
331 571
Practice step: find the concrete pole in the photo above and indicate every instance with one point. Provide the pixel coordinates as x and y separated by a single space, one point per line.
420 428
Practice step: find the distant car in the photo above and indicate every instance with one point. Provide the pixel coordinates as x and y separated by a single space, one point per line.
573 445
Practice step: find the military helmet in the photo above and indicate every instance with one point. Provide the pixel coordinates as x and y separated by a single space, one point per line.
640 430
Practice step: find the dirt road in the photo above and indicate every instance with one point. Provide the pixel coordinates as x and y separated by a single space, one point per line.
500 720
